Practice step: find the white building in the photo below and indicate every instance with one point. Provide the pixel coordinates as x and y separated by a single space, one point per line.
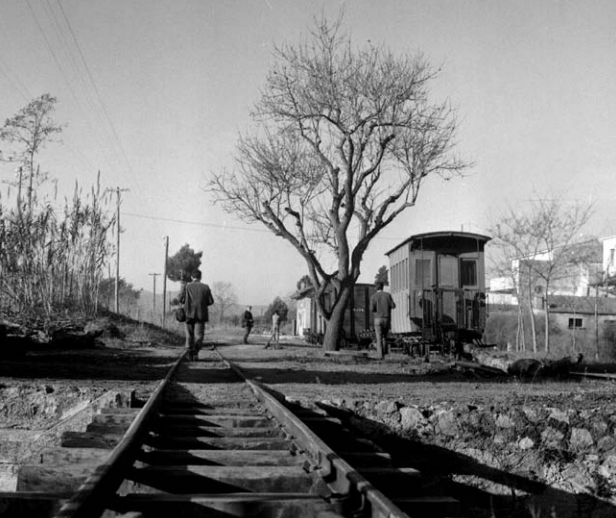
609 261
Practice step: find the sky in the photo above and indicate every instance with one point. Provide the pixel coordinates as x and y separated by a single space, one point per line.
155 93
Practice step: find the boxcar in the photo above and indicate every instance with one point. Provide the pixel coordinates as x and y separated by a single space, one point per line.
437 281
358 319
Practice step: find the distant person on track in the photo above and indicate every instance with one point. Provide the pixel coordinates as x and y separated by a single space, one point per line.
196 297
247 322
275 329
381 303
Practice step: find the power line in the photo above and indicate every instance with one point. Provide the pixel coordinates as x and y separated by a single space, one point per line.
225 226
197 223
62 71
96 116
96 90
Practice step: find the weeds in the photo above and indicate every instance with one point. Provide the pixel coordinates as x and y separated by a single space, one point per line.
51 261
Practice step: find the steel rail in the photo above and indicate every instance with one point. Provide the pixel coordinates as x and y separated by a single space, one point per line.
89 500
337 473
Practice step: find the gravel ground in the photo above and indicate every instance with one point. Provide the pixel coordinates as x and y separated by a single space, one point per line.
297 369
366 387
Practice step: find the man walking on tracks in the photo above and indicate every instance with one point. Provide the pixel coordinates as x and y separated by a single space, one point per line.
382 304
196 298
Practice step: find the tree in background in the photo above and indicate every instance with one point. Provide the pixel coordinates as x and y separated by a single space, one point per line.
183 264
26 133
127 294
382 276
304 283
544 245
224 299
281 306
344 139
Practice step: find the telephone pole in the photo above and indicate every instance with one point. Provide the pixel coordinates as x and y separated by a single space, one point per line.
119 228
165 280
154 275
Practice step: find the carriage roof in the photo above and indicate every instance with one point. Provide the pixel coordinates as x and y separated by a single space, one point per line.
445 241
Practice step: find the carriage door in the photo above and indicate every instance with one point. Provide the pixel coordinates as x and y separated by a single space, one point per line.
469 284
448 283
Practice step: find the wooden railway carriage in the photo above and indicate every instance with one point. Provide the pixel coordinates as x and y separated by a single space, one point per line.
437 281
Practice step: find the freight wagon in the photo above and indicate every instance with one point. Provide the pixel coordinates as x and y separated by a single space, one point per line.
358 323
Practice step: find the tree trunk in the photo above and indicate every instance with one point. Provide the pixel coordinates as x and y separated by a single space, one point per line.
547 323
533 327
335 324
519 335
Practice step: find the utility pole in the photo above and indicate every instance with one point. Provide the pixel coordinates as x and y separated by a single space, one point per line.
165 280
119 228
154 275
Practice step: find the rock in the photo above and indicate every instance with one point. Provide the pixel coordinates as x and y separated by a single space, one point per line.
606 443
558 415
526 443
576 479
600 427
608 468
531 414
504 421
581 439
386 408
445 423
411 418
551 437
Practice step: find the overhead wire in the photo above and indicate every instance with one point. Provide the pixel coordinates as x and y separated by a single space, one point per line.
95 87
63 73
96 117
114 136
222 225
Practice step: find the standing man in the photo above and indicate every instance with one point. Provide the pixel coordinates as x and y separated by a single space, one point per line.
247 322
275 329
196 298
382 304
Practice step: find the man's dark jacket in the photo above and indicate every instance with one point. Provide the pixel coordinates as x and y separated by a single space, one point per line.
197 298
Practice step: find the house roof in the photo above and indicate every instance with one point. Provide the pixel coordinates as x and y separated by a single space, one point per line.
582 305
443 238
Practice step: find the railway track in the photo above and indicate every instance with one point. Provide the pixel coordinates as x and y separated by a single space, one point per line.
211 443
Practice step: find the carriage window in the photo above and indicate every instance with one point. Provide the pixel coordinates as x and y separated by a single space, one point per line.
422 273
468 271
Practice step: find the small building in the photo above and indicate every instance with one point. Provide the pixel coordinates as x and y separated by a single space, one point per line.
585 323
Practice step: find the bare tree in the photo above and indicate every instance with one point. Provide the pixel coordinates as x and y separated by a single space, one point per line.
224 299
345 138
541 244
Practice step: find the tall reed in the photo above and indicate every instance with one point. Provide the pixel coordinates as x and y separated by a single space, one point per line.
52 260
